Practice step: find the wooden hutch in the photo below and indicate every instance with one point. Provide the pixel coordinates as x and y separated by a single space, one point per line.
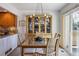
39 24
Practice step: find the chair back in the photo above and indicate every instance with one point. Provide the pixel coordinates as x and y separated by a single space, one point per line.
56 48
53 49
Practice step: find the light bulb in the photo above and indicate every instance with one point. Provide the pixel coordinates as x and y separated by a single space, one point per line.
44 14
33 14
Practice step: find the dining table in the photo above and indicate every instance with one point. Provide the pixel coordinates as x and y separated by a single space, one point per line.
34 44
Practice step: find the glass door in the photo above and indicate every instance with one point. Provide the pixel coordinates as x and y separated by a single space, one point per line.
42 24
36 24
48 25
30 24
75 33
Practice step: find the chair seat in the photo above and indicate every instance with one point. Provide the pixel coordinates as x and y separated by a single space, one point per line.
51 54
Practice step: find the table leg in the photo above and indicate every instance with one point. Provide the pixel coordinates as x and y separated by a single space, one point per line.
46 51
22 52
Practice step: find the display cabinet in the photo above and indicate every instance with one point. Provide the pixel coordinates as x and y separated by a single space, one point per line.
30 23
48 25
39 26
42 24
36 24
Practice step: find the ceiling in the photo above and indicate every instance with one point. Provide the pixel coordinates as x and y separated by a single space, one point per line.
37 6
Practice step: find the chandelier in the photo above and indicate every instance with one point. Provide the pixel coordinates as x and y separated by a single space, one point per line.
39 9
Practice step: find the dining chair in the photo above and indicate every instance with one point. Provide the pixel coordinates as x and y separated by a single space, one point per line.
54 48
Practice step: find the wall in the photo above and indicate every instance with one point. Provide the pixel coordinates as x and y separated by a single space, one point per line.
55 22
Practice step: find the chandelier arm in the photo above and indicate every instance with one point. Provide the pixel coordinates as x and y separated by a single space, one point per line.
37 7
41 8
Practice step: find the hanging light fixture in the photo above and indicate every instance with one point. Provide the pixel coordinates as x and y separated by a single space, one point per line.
35 11
42 12
33 14
30 16
39 9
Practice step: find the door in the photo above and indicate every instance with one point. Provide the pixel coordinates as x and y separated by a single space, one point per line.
75 33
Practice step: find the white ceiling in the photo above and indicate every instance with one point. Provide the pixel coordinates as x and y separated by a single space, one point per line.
37 6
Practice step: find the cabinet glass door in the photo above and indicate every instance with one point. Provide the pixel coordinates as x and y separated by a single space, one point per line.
36 24
42 24
48 25
30 24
